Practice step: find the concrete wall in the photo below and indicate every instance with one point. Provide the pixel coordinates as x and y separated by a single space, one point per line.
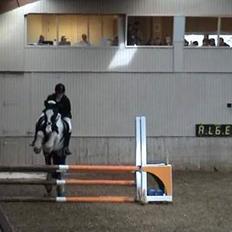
184 153
99 60
104 110
174 87
106 104
16 56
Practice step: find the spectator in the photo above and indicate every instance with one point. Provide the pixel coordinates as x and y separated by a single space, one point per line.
195 43
134 40
222 43
129 33
205 42
206 36
41 40
212 42
84 42
134 34
168 41
115 41
63 41
137 31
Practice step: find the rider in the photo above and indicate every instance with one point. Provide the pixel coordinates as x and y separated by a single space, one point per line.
64 108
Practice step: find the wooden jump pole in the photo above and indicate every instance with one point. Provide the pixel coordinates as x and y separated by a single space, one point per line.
72 168
66 182
90 199
112 199
100 168
27 199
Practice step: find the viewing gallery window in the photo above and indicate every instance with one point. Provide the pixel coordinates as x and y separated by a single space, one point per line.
149 31
72 30
226 32
208 32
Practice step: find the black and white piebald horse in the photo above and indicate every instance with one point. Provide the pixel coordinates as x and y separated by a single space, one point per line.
49 138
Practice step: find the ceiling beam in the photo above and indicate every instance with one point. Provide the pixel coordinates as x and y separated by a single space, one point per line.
7 5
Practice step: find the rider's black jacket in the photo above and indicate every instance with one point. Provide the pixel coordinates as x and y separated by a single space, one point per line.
64 105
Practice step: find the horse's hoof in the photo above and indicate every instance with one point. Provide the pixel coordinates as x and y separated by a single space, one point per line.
37 150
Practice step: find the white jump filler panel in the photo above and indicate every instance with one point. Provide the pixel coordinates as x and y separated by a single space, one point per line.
161 171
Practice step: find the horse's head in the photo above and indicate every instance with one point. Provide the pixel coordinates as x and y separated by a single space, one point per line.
47 128
51 115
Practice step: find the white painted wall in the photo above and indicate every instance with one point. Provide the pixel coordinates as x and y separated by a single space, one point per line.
15 56
105 104
175 88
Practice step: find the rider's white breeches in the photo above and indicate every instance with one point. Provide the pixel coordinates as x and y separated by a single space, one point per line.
68 120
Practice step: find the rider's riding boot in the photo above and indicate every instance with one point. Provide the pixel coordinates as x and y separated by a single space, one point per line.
66 144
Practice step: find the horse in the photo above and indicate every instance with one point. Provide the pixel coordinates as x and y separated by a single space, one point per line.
50 134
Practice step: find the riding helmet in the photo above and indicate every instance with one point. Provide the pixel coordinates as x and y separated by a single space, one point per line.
60 88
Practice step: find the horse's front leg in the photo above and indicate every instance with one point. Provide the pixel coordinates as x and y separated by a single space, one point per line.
48 161
38 142
49 145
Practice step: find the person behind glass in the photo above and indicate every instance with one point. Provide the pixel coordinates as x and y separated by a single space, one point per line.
212 42
64 108
167 41
41 40
137 32
134 35
134 40
115 41
130 32
222 43
205 42
63 41
195 43
84 42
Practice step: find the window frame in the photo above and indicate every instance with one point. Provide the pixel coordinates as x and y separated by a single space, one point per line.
219 24
147 46
26 45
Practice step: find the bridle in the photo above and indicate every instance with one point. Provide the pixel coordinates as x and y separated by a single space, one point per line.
51 116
